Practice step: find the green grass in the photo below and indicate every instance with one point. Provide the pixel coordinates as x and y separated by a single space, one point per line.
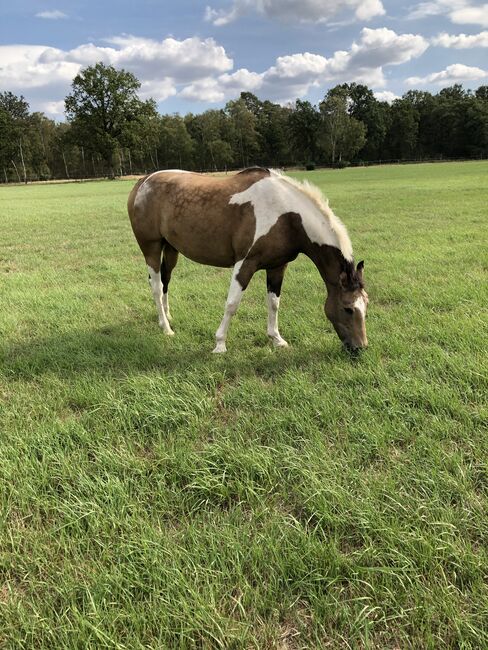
153 495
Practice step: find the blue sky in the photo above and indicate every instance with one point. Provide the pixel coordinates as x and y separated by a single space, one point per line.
191 56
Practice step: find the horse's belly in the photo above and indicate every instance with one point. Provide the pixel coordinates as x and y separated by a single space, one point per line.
210 257
204 249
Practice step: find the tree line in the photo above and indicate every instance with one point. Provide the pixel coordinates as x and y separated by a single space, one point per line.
109 131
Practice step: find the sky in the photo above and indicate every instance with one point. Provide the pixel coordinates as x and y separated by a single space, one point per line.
190 56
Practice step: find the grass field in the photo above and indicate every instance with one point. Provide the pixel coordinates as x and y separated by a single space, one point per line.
154 495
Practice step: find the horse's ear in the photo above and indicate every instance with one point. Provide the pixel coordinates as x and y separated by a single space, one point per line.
344 280
359 269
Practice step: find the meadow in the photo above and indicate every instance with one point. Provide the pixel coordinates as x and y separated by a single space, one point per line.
153 495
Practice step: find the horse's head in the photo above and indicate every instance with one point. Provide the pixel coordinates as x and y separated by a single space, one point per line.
346 307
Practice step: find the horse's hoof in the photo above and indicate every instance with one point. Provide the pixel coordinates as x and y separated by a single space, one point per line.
167 330
280 343
219 348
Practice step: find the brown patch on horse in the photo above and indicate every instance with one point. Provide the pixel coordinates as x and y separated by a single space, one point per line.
189 210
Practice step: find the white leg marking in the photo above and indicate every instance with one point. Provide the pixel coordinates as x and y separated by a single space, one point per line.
273 333
166 305
233 299
157 292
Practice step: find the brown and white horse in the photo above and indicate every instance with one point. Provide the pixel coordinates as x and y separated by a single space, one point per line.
256 219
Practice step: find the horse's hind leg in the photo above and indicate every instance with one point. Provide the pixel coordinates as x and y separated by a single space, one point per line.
170 257
274 280
152 252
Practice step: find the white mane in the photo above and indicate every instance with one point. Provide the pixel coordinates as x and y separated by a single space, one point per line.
315 195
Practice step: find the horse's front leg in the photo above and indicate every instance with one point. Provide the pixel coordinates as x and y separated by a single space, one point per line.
274 280
241 276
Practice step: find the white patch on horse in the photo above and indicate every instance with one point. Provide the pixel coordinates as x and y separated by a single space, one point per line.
360 305
274 195
157 292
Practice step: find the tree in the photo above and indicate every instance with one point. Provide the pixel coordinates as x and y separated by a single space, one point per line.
363 105
343 135
482 93
104 110
403 134
175 143
245 136
304 126
14 112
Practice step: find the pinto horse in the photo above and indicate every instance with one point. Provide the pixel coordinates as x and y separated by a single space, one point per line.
256 219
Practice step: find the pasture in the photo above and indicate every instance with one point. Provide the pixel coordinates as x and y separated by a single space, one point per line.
153 495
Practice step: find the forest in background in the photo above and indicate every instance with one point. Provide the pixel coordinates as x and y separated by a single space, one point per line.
109 131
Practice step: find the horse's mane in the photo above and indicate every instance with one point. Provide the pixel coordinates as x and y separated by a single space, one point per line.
255 168
315 195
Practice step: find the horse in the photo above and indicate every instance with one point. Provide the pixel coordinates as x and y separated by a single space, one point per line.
253 220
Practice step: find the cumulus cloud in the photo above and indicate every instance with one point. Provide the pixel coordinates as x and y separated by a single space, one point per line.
293 11
452 74
45 73
471 15
386 96
294 75
461 41
51 15
200 70
461 12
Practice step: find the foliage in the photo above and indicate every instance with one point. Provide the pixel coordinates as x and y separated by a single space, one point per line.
343 134
111 131
104 110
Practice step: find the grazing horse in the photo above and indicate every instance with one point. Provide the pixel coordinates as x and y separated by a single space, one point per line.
256 219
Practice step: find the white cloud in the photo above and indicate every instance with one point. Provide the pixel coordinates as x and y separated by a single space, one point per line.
56 109
386 96
379 47
294 75
293 11
45 73
186 60
452 74
200 69
461 41
434 8
23 68
158 89
471 15
205 90
241 80
51 15
461 12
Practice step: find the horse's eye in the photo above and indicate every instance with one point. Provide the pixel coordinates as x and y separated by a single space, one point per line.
348 310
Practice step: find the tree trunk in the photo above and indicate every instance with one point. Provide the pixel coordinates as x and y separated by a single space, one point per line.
16 170
65 165
22 159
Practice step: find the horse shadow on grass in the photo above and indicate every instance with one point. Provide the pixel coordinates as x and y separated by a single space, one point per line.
124 349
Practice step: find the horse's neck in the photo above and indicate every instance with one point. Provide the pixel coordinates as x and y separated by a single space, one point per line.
328 260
